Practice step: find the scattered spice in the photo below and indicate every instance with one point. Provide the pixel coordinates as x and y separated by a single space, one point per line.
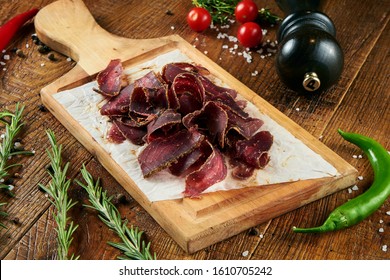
169 12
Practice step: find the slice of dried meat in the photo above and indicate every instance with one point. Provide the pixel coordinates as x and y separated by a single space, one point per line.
118 105
162 152
254 151
212 120
164 125
115 135
211 172
189 91
110 80
135 134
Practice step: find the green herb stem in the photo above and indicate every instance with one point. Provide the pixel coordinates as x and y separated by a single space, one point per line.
58 192
12 126
220 11
131 246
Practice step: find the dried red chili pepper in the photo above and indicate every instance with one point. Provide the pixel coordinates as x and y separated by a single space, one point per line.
9 29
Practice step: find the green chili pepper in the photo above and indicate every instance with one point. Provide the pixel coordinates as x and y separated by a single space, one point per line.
362 206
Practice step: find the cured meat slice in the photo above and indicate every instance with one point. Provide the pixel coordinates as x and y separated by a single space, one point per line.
244 126
133 133
165 124
115 135
189 91
228 102
255 150
212 120
140 104
150 80
213 89
211 172
110 80
118 105
171 70
188 163
162 152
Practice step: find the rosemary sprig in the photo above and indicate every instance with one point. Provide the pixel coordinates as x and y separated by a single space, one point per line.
265 15
220 11
58 192
131 246
13 126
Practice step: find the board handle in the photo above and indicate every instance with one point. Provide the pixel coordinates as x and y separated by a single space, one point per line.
68 27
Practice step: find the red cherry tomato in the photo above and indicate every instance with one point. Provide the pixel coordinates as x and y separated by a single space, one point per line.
246 11
199 19
250 34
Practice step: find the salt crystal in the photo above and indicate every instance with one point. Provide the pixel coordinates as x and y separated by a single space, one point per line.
297 109
321 136
6 57
384 248
381 229
261 236
2 63
3 51
42 64
2 136
172 27
11 187
17 144
68 59
349 190
360 156
196 39
360 178
27 46
225 46
235 46
245 253
4 69
2 180
206 52
354 156
388 213
381 221
355 188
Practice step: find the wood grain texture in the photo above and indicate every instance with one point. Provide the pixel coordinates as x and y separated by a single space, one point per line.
359 102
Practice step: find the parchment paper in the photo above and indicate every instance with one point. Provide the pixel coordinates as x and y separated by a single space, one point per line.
291 160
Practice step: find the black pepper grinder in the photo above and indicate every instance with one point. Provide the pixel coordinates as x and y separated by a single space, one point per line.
309 58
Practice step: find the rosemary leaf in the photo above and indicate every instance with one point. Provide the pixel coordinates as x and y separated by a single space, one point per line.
131 245
12 125
57 190
219 10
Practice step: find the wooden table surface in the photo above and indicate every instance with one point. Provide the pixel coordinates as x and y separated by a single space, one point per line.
359 102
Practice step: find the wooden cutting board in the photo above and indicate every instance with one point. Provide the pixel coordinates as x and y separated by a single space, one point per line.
68 27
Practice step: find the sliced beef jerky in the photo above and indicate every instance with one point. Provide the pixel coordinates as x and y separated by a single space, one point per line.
254 151
115 135
211 172
189 91
171 70
133 133
244 126
118 105
164 125
162 152
212 120
111 79
150 80
213 89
